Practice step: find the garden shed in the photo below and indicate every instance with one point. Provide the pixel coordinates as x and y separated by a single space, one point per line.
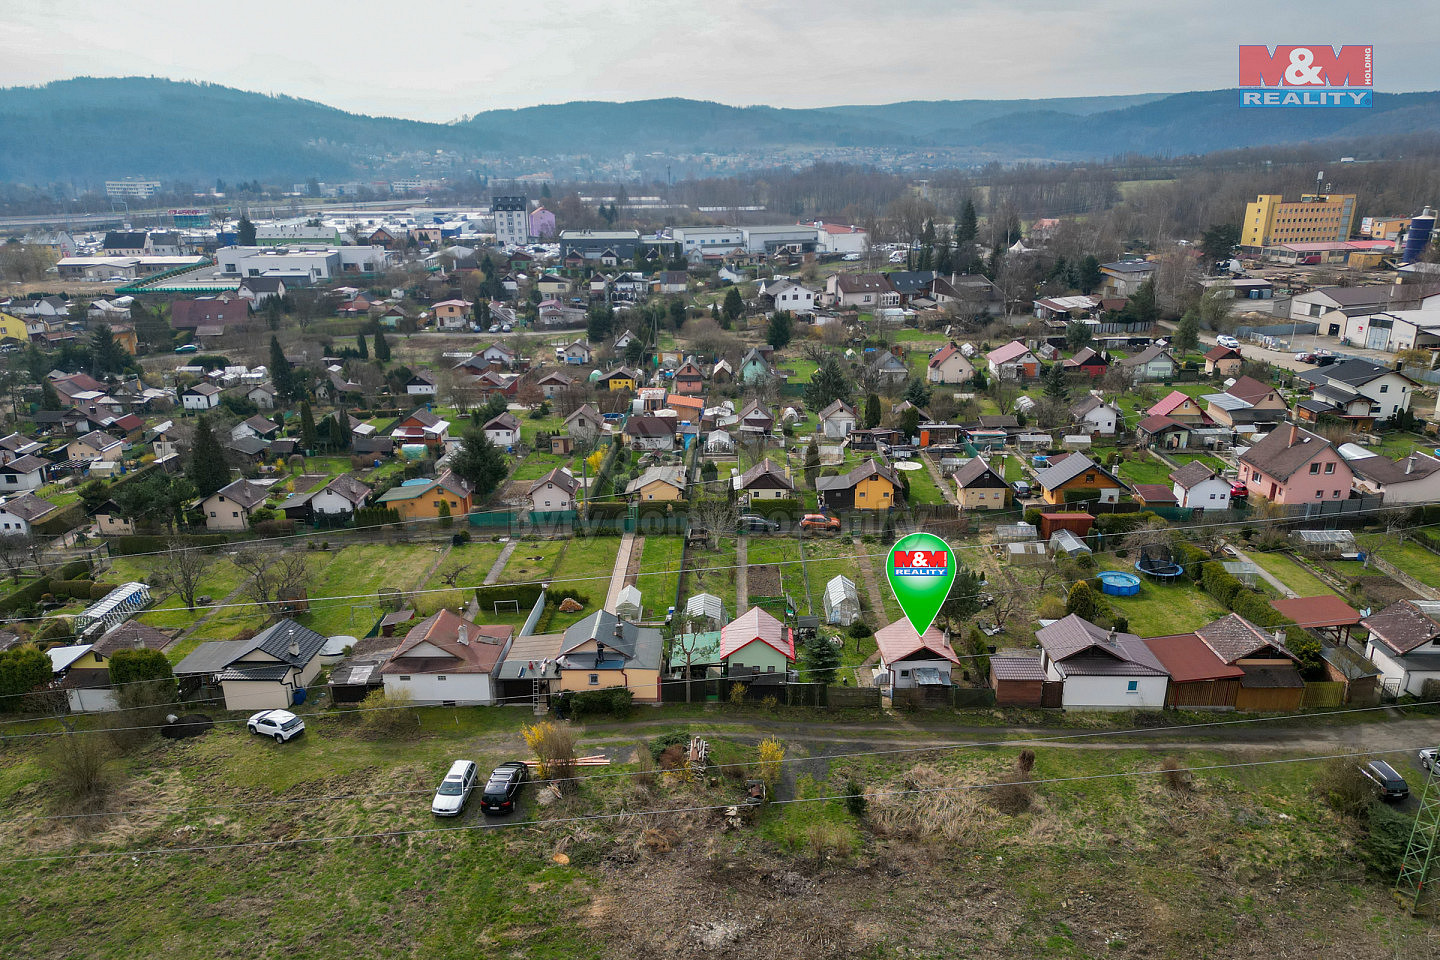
1324 543
706 607
628 605
842 602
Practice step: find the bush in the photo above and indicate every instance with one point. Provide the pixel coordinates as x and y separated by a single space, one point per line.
274 528
675 738
855 803
388 717
79 768
772 756
75 589
1176 777
1081 601
98 591
1384 845
554 747
1343 788
859 630
615 702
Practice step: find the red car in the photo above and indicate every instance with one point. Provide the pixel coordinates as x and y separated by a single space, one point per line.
818 521
1238 490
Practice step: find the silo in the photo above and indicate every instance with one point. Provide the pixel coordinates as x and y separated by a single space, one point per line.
1417 238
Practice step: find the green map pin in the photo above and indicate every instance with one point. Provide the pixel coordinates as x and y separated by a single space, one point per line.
920 569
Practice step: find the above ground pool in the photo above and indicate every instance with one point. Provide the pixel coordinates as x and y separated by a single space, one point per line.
1118 583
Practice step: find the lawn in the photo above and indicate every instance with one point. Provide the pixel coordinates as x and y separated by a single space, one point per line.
1145 469
1291 573
532 560
586 567
1210 460
713 571
784 552
659 578
360 572
923 488
1163 609
477 558
1410 557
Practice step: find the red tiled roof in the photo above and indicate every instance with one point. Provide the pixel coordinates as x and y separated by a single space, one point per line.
755 624
898 640
1188 659
1167 405
1323 611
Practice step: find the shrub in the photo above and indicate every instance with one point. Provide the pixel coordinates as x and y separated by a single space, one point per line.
859 630
772 755
98 591
1343 788
79 768
1384 845
855 803
554 748
388 717
1081 601
1051 608
674 738
1176 777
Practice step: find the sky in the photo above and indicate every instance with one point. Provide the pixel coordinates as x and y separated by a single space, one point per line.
441 60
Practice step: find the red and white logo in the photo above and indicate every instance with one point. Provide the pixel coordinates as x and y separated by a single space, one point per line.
1317 65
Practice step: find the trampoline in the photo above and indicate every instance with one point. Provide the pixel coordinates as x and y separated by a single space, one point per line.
1118 583
1158 562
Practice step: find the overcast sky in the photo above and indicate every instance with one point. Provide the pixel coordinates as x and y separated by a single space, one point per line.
438 60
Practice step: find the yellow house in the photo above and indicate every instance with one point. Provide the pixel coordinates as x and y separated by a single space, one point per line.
421 500
619 379
12 328
870 486
603 652
658 484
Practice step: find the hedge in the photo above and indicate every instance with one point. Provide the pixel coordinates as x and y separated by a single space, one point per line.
66 520
605 509
75 589
29 595
615 702
785 510
144 543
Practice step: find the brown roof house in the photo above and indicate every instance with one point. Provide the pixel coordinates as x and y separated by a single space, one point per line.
1271 678
447 660
1405 644
229 508
1101 669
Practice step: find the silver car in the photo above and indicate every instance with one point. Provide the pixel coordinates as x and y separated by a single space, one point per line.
455 789
1428 758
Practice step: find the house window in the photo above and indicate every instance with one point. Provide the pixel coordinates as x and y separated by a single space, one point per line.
1319 494
1314 468
405 678
1329 468
594 679
1384 388
1132 687
441 677
1337 494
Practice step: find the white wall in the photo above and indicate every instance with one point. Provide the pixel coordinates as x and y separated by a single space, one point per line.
464 689
1395 676
257 695
910 666
92 700
1110 693
1199 495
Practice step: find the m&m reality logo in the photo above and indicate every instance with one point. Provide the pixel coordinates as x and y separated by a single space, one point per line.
1306 76
920 563
921 567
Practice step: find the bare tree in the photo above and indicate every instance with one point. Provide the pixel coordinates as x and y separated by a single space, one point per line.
15 553
272 576
685 646
452 576
184 571
716 515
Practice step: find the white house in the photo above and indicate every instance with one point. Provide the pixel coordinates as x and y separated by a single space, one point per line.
262 673
554 491
577 353
340 497
1101 670
788 295
421 384
1097 416
447 660
1197 486
201 396
910 660
23 473
1405 644
1412 479
262 395
837 420
17 514
949 365
503 431
1013 361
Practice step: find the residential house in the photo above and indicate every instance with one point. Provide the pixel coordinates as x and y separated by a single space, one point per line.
222 311
1088 362
1199 679
1405 644
550 285
257 290
766 480
554 492
1154 494
1164 432
650 433
837 420
256 426
1196 486
1013 361
1180 407
87 679
1358 391
1223 362
94 446
1153 363
841 601
452 314
603 652
1124 278
1095 416
623 341
1293 465
671 281
422 426
111 521
262 395
864 291
621 378
785 294
337 500
17 445
754 367
553 385
229 508
577 353
19 514
421 384
503 431
585 423
23 473
1247 401
873 485
1073 474
658 483
754 418
911 660
200 396
447 660
722 373
888 368
264 672
949 365
422 498
1100 669
755 643
980 487
1271 678
1410 480
689 379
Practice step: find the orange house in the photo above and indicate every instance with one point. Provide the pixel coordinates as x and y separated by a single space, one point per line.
421 499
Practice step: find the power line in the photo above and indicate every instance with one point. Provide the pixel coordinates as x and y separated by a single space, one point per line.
707 808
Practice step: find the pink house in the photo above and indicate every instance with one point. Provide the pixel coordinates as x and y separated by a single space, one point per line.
542 223
1292 465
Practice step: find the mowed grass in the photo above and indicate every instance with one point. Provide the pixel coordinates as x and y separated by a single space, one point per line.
1161 609
532 560
713 571
923 488
1289 572
1145 470
476 558
659 578
1410 557
358 573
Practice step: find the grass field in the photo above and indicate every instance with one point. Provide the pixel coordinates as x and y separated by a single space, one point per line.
1410 557
659 578
1145 469
1161 609
477 559
360 572
1289 572
713 571
923 488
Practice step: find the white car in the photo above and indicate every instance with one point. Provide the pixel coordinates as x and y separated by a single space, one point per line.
280 724
455 789
1427 758
1225 340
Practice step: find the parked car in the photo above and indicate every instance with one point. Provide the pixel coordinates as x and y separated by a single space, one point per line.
455 789
757 524
818 521
1225 340
280 724
503 787
1238 490
494 328
1428 758
1325 360
1304 358
1391 785
188 348
1022 488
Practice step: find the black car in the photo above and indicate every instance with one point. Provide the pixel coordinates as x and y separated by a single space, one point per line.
757 524
503 787
1392 786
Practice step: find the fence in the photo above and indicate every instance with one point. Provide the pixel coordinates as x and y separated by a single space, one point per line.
1323 693
785 694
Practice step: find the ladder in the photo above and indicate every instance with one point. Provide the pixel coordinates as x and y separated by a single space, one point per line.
1420 863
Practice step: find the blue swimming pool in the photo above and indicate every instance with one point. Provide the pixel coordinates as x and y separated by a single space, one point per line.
1117 583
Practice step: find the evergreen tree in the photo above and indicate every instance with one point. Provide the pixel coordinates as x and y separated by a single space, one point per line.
872 412
599 323
308 440
49 399
245 232
822 660
207 469
362 346
1055 386
1143 305
1187 332
734 307
106 354
781 325
382 347
917 392
1077 335
812 463
282 372
1081 601
480 462
827 384
1090 276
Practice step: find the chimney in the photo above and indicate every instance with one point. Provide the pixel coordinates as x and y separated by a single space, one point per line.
1279 636
1111 639
294 648
1410 464
1294 434
462 636
139 644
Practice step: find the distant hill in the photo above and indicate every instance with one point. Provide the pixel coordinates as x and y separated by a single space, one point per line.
90 129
